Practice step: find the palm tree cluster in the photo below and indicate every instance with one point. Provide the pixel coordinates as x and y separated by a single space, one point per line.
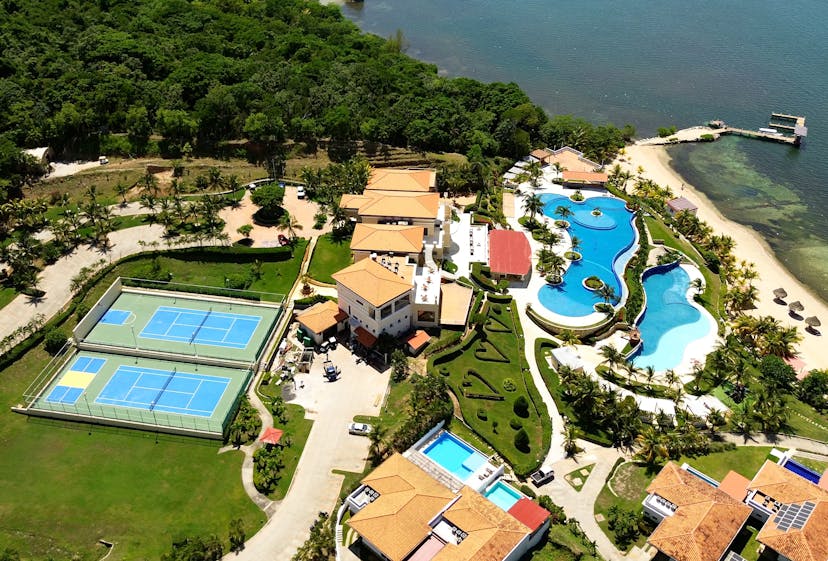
326 185
670 438
198 215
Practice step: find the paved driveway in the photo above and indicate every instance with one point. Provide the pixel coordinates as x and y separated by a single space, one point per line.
332 405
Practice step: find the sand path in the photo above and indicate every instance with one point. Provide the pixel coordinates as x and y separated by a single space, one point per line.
750 246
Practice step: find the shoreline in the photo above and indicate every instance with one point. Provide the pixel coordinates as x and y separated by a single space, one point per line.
750 246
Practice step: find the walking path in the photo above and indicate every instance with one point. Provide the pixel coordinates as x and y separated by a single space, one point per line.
55 279
580 504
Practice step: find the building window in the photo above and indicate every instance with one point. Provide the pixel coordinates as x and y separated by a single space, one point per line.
372 312
386 311
425 316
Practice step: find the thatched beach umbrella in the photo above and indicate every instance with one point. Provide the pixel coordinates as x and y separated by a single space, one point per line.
780 293
796 307
812 322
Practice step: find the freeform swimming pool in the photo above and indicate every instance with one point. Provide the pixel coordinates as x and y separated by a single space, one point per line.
670 322
454 456
503 495
606 241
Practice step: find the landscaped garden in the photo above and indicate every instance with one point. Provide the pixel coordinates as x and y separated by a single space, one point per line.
131 486
487 372
329 256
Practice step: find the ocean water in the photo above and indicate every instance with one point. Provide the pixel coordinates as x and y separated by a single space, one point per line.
656 63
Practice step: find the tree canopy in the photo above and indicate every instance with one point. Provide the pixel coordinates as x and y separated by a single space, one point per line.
83 75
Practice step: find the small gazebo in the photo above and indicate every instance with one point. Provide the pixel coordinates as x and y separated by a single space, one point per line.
272 436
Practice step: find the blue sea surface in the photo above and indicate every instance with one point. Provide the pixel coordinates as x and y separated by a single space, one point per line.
655 63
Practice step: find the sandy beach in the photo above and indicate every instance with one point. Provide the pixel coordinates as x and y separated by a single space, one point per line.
749 246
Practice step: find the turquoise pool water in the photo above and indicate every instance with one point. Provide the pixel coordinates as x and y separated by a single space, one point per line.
454 455
503 495
670 323
606 241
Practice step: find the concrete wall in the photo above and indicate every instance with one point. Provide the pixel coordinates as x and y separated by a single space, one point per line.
395 324
96 313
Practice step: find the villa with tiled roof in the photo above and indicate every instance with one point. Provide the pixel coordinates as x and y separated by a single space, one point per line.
394 179
699 518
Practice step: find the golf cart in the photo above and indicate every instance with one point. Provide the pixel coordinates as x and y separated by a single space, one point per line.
330 371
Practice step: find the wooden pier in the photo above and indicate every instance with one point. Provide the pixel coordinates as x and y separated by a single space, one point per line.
794 125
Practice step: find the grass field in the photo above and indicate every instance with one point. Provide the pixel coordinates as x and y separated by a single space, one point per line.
329 256
64 486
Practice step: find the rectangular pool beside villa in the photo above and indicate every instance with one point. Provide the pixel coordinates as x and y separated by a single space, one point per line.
503 495
454 456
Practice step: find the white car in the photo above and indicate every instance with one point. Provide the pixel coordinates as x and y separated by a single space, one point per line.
360 429
300 192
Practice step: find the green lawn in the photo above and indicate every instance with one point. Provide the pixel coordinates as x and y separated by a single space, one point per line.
67 485
745 460
297 428
578 477
563 545
329 256
479 373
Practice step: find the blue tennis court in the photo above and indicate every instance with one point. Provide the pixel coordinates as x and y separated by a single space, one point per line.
169 391
115 317
218 329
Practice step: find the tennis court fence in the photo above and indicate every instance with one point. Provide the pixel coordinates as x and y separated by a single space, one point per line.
251 295
52 369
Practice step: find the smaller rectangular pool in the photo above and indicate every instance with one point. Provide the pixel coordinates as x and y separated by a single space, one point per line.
454 456
503 495
803 471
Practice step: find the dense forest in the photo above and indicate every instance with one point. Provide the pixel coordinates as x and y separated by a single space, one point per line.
173 76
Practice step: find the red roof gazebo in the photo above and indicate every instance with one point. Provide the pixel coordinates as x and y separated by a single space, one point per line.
272 435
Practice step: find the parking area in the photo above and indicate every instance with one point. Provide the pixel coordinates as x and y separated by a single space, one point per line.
332 405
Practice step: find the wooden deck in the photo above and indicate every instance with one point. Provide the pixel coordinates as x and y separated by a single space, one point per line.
782 139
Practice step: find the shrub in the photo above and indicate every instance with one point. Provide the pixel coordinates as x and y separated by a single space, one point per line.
481 414
624 524
444 371
237 281
557 514
522 440
577 196
81 310
707 138
664 132
515 423
509 385
54 340
528 491
449 266
521 407
269 198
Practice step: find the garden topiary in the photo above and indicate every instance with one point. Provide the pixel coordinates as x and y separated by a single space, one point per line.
482 415
521 407
509 385
515 423
522 440
54 340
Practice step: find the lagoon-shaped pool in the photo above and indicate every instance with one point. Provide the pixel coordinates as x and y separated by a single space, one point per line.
606 247
671 321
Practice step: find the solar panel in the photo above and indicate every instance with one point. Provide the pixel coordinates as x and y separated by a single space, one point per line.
793 516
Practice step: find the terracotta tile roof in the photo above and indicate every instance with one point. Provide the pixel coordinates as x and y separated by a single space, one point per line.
541 154
391 179
417 340
571 159
492 533
400 204
701 531
735 485
455 302
810 543
585 177
372 282
409 498
705 522
784 485
364 338
509 252
387 237
321 316
530 513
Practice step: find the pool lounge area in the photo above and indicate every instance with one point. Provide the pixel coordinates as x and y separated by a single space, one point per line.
673 326
608 240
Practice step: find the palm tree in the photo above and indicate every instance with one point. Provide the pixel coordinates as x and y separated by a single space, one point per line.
631 370
532 205
378 448
612 356
122 190
575 243
606 293
568 337
698 285
649 374
570 434
651 446
563 212
534 170
289 223
715 420
671 377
